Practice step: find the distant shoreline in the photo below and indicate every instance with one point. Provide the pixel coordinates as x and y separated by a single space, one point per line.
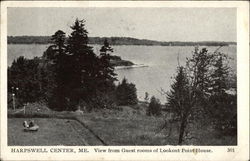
116 41
131 66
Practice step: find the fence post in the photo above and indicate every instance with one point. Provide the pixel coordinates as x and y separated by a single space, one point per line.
24 109
14 106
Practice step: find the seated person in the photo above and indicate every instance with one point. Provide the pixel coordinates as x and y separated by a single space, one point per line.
25 124
32 123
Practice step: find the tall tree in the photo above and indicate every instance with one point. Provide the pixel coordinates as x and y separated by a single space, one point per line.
179 101
107 75
199 69
190 90
220 75
83 64
222 106
57 64
126 93
154 107
193 91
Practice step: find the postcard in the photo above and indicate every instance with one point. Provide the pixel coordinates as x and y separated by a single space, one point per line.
124 80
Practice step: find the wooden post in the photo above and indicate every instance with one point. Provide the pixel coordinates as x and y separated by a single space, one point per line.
14 106
24 109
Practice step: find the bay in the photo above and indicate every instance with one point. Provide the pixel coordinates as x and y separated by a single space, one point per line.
161 62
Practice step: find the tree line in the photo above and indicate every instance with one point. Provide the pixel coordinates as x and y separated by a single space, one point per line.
70 75
115 41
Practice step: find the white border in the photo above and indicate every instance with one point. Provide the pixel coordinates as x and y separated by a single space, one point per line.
219 152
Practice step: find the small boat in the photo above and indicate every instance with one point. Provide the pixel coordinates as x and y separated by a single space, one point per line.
33 128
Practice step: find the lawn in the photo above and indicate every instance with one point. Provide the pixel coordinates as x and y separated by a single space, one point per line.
51 132
130 127
122 131
127 125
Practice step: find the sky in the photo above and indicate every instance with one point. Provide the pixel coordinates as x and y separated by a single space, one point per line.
162 24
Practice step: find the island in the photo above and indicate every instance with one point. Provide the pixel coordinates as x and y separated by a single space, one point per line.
118 61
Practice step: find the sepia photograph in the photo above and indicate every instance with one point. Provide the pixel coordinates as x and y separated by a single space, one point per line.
127 73
122 76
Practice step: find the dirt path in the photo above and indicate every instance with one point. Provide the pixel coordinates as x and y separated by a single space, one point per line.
85 134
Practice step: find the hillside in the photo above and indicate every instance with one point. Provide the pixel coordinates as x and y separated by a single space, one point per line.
116 41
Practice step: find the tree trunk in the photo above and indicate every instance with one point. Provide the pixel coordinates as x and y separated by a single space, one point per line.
182 129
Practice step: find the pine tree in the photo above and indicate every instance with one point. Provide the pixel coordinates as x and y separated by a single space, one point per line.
106 48
107 76
126 93
56 65
179 101
222 106
83 65
219 76
198 71
79 52
58 40
196 92
199 92
154 107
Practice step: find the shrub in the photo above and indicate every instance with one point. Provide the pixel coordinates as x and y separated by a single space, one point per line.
223 110
102 100
23 75
154 107
126 93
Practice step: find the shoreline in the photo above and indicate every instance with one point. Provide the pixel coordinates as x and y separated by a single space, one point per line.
131 66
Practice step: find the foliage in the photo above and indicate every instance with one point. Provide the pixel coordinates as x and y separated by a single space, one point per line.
219 76
222 107
154 107
114 41
102 100
82 61
223 112
68 73
23 75
199 89
33 80
78 71
179 100
126 93
56 60
199 72
107 75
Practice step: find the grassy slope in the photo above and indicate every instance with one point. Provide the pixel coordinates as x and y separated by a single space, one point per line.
127 126
132 127
51 132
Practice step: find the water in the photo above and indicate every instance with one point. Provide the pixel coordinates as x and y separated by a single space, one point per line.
161 62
